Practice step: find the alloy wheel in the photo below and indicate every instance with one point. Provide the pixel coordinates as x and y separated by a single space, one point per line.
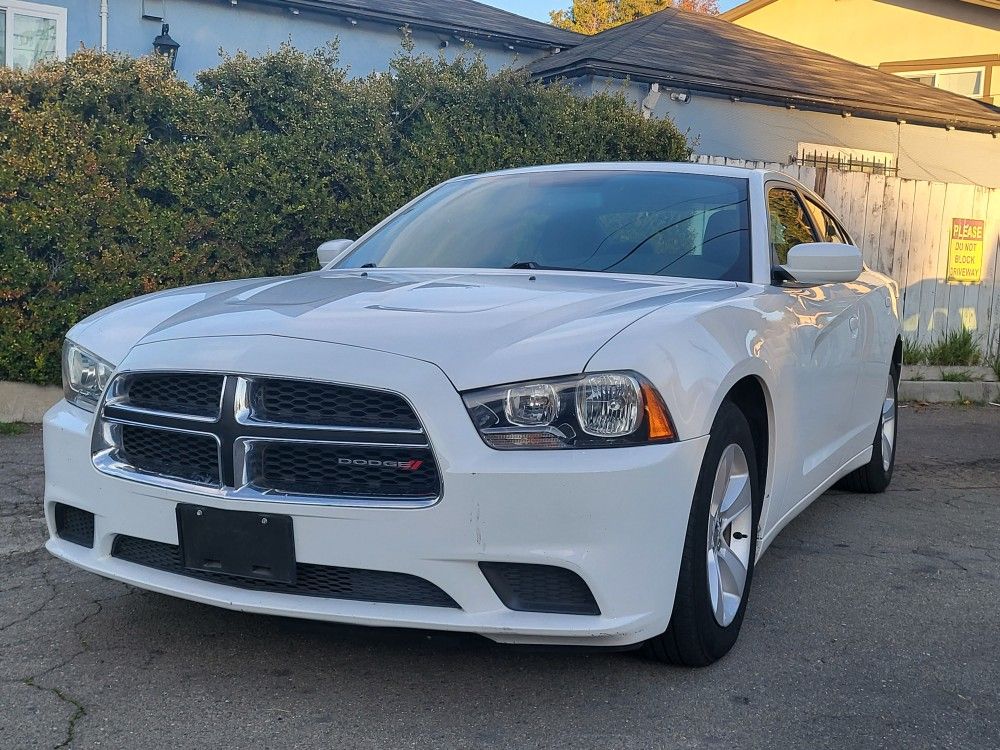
888 424
729 526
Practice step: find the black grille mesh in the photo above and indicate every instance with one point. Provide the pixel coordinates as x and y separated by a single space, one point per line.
540 588
319 469
74 525
311 580
177 393
181 455
304 402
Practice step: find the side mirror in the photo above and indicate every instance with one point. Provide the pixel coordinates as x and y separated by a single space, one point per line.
823 263
331 250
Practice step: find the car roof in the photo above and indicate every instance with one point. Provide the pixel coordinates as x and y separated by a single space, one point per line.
675 167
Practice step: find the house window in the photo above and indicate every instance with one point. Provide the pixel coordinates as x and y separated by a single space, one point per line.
964 81
30 33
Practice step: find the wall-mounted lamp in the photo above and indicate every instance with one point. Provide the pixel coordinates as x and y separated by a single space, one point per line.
351 21
165 46
680 96
443 44
293 11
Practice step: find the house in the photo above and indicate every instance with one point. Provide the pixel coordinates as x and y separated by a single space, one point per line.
950 44
745 95
368 30
741 94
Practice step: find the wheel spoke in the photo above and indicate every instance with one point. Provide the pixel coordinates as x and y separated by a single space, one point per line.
733 574
715 589
738 500
721 480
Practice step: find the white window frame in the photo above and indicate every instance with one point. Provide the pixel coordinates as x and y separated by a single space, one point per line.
37 10
934 73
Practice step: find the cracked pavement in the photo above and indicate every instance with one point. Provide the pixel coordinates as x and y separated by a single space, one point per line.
872 624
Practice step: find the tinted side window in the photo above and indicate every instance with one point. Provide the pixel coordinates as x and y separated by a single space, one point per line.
788 223
825 224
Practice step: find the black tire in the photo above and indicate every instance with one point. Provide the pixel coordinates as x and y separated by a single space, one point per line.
694 638
873 477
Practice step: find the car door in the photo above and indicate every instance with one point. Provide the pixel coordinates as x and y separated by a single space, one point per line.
821 325
869 349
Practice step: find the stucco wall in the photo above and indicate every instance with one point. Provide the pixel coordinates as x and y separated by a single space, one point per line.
202 28
872 32
764 133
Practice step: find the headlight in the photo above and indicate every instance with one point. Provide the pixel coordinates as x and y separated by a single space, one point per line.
85 376
599 410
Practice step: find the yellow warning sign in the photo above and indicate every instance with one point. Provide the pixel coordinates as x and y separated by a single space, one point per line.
965 251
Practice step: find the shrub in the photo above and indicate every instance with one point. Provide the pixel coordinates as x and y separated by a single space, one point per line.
118 179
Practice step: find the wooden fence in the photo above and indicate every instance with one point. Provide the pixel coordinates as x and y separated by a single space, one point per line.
904 229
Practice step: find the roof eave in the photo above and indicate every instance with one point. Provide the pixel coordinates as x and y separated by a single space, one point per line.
327 8
867 110
744 9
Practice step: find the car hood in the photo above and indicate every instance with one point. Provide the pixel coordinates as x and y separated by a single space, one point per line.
480 327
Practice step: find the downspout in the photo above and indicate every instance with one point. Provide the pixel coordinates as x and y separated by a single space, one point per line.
649 102
103 14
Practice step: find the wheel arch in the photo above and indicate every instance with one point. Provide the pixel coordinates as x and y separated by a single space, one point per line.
751 395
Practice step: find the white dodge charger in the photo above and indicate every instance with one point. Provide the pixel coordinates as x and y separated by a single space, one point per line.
560 405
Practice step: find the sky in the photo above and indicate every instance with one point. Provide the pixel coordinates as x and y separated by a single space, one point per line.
539 9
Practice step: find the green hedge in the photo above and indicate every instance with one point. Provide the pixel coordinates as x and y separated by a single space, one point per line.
118 179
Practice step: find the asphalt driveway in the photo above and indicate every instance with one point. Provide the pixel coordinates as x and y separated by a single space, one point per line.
874 621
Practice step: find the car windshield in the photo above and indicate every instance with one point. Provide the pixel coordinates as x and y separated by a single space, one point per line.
635 222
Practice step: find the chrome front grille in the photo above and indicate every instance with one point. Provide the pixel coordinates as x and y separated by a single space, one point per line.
257 438
177 393
188 456
298 402
304 468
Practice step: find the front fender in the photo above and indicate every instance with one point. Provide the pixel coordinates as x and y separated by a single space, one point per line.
693 357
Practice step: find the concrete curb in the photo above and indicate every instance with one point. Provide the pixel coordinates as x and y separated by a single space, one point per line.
24 402
942 391
938 372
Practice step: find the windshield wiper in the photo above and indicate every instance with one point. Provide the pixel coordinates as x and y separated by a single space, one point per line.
530 265
369 265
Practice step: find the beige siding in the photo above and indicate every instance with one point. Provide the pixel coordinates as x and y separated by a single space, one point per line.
872 32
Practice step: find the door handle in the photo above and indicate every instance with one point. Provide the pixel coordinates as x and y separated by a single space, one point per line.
855 323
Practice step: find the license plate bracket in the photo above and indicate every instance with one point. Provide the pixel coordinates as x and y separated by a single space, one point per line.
247 544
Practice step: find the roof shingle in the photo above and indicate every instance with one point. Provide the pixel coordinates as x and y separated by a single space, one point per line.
462 16
704 53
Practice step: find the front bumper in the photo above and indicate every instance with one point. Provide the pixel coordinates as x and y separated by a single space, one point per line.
616 517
